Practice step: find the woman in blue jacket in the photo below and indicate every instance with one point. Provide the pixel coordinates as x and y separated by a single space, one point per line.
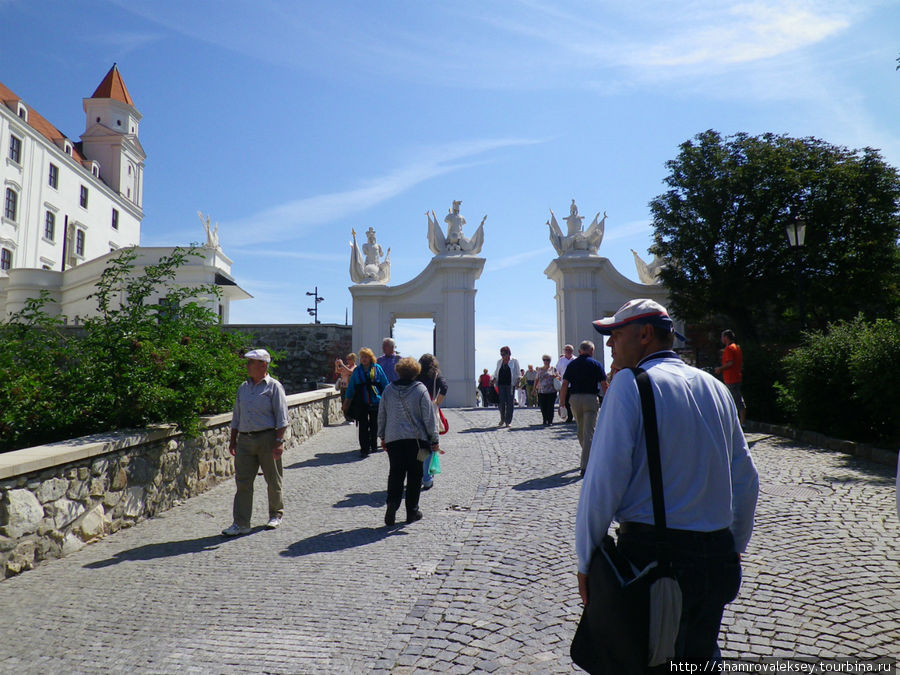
370 380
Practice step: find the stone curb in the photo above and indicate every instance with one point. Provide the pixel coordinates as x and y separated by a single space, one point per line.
861 450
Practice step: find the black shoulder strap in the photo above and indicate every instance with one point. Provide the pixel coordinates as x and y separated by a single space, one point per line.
651 434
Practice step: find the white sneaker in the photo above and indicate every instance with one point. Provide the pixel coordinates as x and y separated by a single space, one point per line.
235 530
274 522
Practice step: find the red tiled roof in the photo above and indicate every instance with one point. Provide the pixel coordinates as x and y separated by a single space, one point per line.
113 86
38 123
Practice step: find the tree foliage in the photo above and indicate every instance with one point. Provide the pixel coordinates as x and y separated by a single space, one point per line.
137 361
839 381
722 224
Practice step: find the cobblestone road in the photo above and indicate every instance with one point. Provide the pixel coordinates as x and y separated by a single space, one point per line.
484 583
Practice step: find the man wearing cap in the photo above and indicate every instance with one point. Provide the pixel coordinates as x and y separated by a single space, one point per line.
258 424
709 482
583 379
561 365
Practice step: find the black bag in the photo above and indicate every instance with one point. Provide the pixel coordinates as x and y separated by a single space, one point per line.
357 410
613 635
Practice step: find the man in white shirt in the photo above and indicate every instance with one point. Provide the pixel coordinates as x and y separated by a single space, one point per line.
561 365
710 485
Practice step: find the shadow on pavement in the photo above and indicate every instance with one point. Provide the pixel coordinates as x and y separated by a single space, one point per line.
478 430
560 479
327 458
362 499
339 540
164 549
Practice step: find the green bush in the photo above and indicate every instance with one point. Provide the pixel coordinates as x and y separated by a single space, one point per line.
842 382
136 363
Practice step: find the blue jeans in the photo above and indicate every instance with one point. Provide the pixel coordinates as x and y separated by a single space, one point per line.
505 392
709 573
427 478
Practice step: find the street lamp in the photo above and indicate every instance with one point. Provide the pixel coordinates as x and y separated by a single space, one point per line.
796 235
314 310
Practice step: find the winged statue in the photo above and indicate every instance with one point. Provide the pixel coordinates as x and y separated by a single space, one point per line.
366 265
454 242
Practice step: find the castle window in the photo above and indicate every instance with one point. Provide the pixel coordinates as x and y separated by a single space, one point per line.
50 226
83 198
23 112
5 259
95 170
53 180
79 243
67 147
115 219
98 119
10 206
15 149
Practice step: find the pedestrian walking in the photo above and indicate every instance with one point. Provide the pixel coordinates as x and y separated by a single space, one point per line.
584 377
520 389
388 359
565 359
367 382
505 374
709 483
484 386
545 389
407 427
430 375
259 421
530 374
731 371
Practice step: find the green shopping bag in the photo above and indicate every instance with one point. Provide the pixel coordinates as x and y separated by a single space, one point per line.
434 466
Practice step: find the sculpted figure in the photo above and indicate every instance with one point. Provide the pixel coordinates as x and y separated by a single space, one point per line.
648 274
366 265
212 234
577 239
455 241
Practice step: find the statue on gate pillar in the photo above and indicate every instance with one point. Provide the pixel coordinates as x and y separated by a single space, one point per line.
455 242
648 273
577 239
366 265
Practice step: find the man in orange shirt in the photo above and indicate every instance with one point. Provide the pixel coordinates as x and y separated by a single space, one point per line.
732 362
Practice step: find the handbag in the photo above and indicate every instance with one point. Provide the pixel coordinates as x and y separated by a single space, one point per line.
358 408
631 620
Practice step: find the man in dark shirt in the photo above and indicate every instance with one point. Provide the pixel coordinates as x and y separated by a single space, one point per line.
583 380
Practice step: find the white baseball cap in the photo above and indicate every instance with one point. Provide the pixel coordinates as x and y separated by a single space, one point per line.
641 310
258 355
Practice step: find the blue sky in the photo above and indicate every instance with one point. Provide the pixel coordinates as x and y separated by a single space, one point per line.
292 122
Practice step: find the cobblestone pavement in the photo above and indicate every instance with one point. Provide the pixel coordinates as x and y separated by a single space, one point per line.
484 583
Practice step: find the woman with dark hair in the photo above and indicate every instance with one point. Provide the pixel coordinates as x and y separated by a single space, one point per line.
407 427
545 390
437 388
370 380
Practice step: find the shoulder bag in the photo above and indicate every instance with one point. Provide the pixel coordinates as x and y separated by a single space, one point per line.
630 622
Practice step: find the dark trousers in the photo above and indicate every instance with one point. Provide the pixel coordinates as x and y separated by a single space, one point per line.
546 402
709 573
568 408
368 431
505 394
404 467
485 397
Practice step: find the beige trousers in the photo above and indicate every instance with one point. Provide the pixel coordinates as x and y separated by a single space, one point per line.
252 453
584 410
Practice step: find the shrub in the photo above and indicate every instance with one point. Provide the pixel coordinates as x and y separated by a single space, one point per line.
842 382
137 363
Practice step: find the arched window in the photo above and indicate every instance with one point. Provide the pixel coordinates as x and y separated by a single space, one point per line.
11 204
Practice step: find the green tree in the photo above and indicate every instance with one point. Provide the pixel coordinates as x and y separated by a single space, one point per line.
722 222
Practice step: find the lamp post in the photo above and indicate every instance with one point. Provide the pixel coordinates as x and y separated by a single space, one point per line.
314 310
796 235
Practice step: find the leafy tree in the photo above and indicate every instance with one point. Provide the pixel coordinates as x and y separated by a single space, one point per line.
722 222
138 361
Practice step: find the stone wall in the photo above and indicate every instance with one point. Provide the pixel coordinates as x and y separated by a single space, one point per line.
309 350
56 498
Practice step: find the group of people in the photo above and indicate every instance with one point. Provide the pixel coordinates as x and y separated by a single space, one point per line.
709 482
395 403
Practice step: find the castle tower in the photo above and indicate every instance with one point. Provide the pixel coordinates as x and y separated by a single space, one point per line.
110 137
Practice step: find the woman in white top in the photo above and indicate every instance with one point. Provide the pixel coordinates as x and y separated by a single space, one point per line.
505 375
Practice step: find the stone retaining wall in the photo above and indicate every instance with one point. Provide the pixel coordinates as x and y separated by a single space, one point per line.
307 351
56 498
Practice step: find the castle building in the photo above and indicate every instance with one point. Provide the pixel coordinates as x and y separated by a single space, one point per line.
65 203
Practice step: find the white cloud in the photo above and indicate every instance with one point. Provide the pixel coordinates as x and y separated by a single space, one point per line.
514 260
289 220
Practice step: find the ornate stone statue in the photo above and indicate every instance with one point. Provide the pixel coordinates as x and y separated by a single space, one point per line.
366 265
212 234
648 274
577 240
455 242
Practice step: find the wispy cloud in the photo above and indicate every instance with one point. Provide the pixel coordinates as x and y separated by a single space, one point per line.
292 219
514 260
123 42
291 255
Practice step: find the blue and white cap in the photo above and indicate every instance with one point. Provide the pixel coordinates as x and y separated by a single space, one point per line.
642 310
